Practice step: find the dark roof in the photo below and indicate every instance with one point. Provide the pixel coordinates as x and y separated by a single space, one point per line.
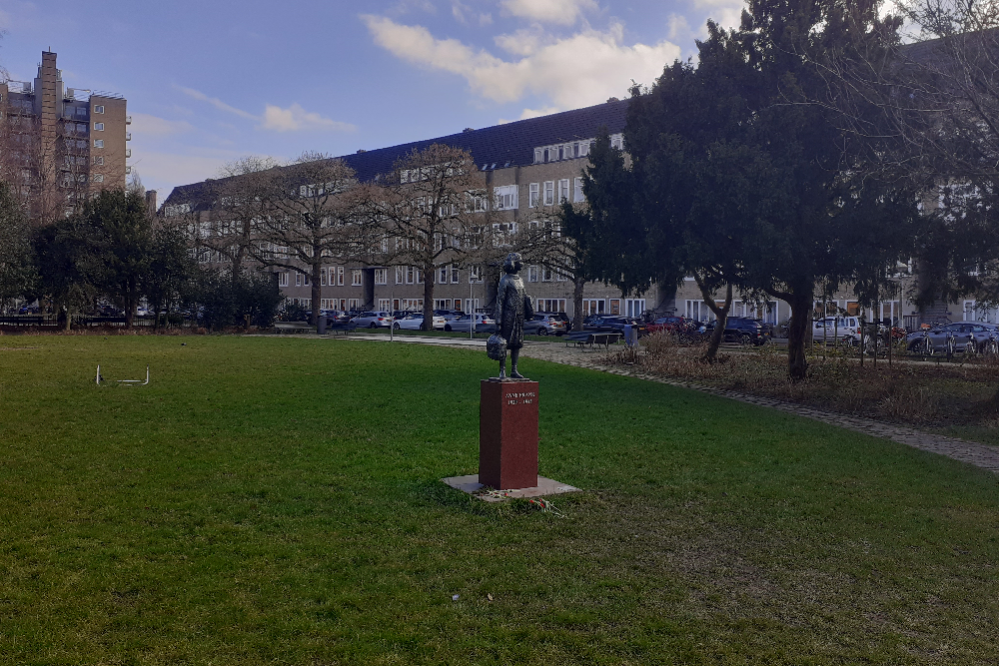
932 50
498 147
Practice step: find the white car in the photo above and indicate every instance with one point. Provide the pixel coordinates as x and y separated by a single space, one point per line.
415 321
373 320
845 329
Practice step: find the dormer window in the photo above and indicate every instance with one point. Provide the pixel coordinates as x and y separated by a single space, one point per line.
538 156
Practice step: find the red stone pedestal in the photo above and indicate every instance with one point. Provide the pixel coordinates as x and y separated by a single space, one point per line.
508 433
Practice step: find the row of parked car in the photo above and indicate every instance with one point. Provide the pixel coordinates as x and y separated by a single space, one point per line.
954 337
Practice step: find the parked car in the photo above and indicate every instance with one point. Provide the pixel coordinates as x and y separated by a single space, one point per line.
679 325
963 332
373 319
742 330
483 323
414 321
449 315
845 329
545 323
612 323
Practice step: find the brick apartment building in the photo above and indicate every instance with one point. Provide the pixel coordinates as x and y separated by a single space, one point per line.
59 145
530 167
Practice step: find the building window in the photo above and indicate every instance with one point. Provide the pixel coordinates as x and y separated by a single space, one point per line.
99 160
400 275
551 305
98 109
578 190
538 156
382 277
475 274
546 274
533 195
634 307
298 279
592 306
563 190
98 127
283 279
356 277
550 193
98 178
305 279
505 197
98 143
532 273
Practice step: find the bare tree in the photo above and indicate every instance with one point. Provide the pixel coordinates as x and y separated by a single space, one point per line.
926 112
312 211
240 197
435 212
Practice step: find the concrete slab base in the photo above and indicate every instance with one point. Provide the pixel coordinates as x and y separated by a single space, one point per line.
470 484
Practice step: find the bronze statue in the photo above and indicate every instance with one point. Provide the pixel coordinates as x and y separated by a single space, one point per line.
512 308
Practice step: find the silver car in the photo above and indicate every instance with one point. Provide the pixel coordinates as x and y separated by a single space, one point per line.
415 321
484 323
377 319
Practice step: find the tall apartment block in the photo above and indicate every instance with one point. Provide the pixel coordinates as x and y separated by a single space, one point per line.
60 145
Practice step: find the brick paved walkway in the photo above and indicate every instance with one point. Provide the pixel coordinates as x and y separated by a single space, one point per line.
973 453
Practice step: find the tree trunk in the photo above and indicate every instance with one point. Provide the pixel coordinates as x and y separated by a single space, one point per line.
130 308
721 315
798 325
315 292
428 323
578 284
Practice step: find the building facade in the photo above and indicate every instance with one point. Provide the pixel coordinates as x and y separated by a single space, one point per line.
530 167
60 145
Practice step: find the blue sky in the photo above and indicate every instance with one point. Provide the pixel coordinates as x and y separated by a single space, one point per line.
210 81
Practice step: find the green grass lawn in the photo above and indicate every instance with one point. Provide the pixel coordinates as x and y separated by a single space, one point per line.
277 501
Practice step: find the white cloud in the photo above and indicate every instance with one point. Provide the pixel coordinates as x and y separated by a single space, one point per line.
726 13
295 118
523 42
291 119
465 15
148 125
585 68
217 103
562 12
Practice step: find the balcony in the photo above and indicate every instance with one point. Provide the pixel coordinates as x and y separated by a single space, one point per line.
128 170
128 120
128 153
128 136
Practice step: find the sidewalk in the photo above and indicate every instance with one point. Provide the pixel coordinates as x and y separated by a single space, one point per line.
972 453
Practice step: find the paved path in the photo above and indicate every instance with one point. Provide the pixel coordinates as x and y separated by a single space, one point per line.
973 453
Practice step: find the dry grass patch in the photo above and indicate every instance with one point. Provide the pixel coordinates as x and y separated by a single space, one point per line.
958 398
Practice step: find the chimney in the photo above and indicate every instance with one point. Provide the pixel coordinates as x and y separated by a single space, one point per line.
151 201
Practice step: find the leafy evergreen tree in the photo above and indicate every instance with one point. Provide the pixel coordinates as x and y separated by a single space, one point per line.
17 270
738 180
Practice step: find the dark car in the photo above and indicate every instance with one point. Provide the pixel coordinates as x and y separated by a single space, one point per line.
611 324
742 330
972 334
678 325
